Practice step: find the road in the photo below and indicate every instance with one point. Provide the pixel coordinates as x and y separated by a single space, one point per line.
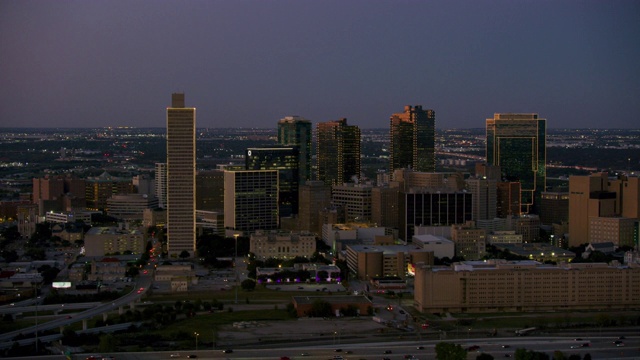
601 348
143 282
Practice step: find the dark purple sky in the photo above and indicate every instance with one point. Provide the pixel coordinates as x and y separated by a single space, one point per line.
250 63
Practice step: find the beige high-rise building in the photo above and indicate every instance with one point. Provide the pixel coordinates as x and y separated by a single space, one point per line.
181 177
598 195
520 286
470 241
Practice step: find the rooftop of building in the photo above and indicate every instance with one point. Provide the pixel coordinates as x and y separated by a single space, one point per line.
333 299
112 230
431 239
529 249
386 249
501 264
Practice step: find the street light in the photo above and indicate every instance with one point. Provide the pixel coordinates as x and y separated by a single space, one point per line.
196 334
235 265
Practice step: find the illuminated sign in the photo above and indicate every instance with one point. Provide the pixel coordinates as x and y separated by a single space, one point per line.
61 285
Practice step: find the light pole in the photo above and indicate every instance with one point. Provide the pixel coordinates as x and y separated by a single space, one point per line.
235 265
196 334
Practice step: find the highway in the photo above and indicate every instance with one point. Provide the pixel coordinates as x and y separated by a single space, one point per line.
601 348
143 282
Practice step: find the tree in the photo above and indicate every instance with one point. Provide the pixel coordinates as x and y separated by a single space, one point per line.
558 355
11 233
524 354
184 254
9 255
449 351
248 284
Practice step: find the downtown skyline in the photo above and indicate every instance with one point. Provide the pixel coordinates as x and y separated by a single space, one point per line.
251 63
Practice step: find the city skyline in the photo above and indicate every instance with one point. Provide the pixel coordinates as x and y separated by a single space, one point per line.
251 63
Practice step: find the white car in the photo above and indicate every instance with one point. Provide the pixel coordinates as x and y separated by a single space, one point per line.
176 355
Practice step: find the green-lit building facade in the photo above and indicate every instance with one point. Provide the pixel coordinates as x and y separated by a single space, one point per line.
517 143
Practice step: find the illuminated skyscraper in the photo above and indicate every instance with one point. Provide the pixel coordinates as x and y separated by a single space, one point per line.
412 136
181 177
517 143
285 160
338 152
295 130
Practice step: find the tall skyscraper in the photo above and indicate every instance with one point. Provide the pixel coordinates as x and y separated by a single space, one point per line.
338 152
181 177
295 130
517 143
251 200
285 160
161 184
412 136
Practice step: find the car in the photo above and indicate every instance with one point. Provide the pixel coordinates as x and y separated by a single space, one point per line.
304 354
621 337
585 344
617 342
507 355
419 347
348 352
576 346
338 357
174 355
300 287
408 356
227 351
337 350
192 356
506 346
387 351
284 358
578 339
473 348
620 344
402 312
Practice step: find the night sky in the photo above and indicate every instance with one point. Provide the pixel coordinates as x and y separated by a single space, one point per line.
250 63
